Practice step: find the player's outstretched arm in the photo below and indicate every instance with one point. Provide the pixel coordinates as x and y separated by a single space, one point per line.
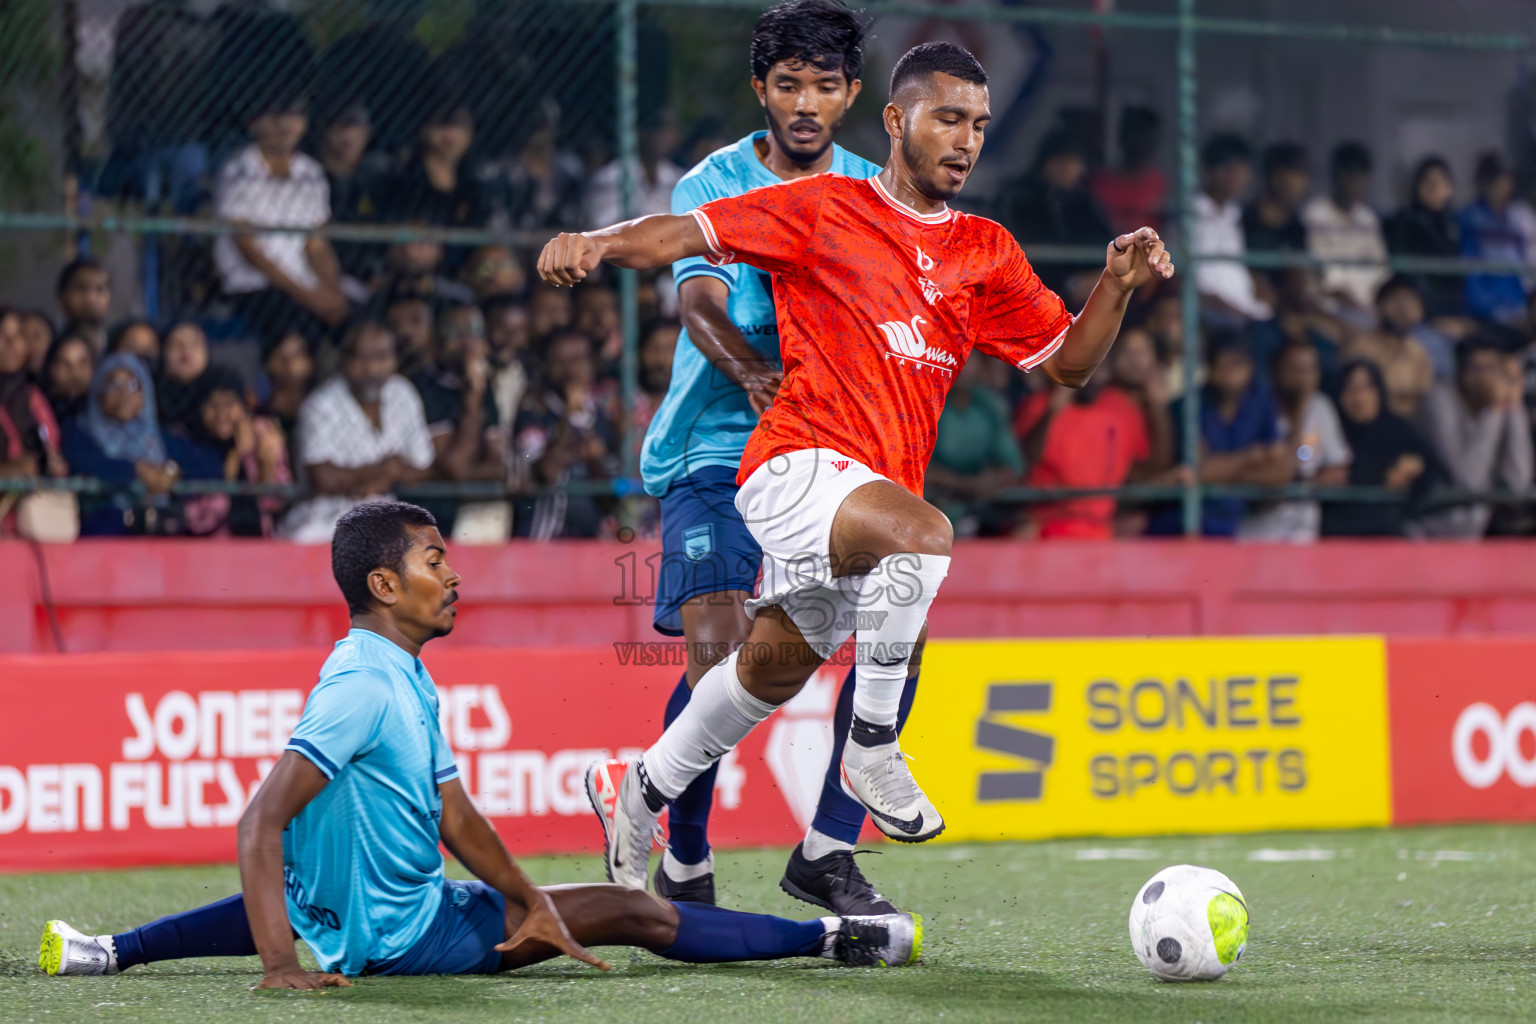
1130 261
470 838
293 783
638 244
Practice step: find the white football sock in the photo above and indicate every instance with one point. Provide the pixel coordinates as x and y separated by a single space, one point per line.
897 597
680 872
718 716
818 844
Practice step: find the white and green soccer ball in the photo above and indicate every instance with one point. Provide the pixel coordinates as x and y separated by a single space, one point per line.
1189 924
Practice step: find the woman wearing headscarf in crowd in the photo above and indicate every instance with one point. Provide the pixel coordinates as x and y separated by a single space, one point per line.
1427 226
138 337
1388 452
118 440
29 435
179 386
236 447
66 375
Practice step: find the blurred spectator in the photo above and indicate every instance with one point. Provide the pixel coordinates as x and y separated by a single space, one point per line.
563 435
549 310
653 178
1051 205
1164 321
239 448
544 183
1479 430
361 434
1226 286
1308 425
1387 452
1427 226
1272 222
29 435
277 282
461 411
1488 232
506 330
37 332
493 270
435 186
356 184
417 267
1135 193
66 375
597 315
1136 371
1299 316
290 370
410 317
1239 437
975 453
117 439
136 337
85 296
179 389
657 350
1095 436
1342 226
1401 348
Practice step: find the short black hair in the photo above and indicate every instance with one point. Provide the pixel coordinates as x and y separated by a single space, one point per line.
822 33
1399 283
937 58
355 330
1351 158
1225 148
1490 167
73 269
1284 156
374 535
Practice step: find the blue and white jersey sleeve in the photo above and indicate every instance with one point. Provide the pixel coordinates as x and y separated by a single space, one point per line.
342 719
693 191
444 768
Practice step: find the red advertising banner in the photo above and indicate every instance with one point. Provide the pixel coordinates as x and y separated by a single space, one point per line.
118 760
1463 730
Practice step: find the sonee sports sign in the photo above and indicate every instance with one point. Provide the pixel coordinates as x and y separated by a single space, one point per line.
1036 739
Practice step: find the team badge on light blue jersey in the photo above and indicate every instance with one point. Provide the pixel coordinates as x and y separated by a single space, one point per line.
699 541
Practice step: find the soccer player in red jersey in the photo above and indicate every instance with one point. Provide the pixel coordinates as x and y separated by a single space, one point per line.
881 292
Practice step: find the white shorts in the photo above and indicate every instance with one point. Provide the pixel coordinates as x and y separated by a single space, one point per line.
788 504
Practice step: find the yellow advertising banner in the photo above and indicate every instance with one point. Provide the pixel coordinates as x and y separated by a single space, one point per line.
1030 739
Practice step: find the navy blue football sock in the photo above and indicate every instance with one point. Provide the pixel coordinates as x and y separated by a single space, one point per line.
838 815
688 815
218 929
710 935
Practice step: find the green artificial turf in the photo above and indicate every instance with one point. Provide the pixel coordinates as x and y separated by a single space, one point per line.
1435 924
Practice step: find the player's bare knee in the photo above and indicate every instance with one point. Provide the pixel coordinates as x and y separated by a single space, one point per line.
932 534
773 679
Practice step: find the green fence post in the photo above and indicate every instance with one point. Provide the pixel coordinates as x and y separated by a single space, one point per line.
1189 265
629 300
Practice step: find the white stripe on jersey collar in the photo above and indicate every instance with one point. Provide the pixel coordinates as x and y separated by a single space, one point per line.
923 218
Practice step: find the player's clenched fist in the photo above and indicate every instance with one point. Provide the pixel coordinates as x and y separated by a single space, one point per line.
568 258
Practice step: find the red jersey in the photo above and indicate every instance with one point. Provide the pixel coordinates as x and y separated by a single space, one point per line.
1093 445
878 308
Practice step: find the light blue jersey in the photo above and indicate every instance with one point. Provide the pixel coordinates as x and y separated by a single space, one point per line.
363 874
705 420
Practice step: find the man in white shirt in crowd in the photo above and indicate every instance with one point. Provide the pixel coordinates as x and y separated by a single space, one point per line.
653 177
278 281
360 435
1342 226
1226 286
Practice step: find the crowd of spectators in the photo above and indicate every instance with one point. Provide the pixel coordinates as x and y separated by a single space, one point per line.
1325 370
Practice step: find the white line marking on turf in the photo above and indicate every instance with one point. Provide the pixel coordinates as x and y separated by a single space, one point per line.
1114 853
1436 856
1279 856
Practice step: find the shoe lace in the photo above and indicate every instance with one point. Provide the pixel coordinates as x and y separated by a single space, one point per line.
893 782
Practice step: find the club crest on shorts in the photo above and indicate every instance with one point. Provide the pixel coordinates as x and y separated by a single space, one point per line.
699 541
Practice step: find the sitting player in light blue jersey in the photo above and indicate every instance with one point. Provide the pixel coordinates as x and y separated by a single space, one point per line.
339 846
805 57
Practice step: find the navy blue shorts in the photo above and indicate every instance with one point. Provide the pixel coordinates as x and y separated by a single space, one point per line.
705 545
462 937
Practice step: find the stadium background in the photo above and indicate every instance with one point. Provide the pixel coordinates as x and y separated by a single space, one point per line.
176 662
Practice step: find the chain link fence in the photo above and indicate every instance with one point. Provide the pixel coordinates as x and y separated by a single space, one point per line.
453 137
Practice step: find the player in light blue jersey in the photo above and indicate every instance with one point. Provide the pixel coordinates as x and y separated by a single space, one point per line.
805 56
339 846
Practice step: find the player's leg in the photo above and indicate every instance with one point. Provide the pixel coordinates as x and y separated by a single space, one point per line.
821 870
610 915
903 545
217 929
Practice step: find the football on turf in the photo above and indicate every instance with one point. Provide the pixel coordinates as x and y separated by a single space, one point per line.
1189 924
